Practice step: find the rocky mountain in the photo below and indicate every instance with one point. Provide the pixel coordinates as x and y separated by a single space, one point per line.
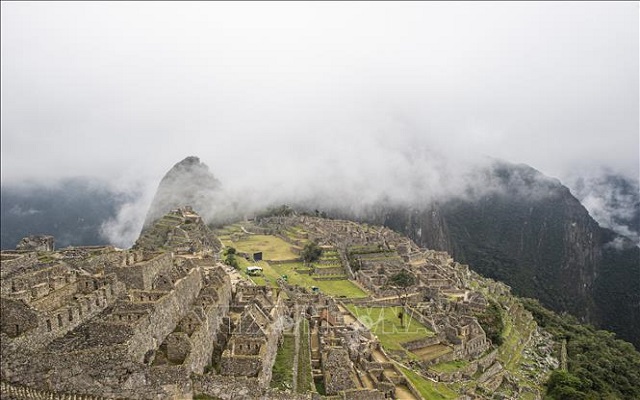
525 229
179 230
189 182
534 235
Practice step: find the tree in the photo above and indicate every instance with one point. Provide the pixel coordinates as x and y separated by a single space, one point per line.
402 280
230 257
311 252
492 323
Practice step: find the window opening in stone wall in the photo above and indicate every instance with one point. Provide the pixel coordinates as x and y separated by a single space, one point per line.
59 320
49 325
70 315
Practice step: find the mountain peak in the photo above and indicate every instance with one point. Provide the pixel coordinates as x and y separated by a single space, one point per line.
187 183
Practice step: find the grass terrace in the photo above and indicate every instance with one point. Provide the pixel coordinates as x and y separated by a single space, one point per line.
272 247
450 366
304 379
282 375
428 389
385 324
272 272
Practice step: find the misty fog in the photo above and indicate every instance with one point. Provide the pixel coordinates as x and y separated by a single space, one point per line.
342 103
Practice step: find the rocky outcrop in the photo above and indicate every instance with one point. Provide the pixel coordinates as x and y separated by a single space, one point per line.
181 230
188 183
36 243
530 232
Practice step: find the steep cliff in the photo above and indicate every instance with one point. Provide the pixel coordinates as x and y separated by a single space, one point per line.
530 232
188 183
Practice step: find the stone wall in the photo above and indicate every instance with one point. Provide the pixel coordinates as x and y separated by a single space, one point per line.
14 392
11 264
363 394
142 275
336 367
57 322
39 274
420 343
166 314
203 338
233 388
241 365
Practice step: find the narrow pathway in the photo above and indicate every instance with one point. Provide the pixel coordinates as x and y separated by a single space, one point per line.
296 333
403 393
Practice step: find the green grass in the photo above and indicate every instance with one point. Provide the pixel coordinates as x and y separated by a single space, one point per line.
510 352
428 389
450 366
385 324
282 373
304 360
272 247
271 273
341 287
276 249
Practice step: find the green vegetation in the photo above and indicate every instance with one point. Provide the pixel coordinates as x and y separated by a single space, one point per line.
282 373
304 360
428 389
450 366
492 322
272 272
311 252
276 249
514 335
402 280
599 365
385 324
272 247
230 257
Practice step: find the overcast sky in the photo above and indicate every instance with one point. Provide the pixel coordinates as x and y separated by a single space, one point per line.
125 90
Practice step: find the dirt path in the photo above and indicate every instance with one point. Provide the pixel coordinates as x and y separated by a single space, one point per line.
379 357
403 393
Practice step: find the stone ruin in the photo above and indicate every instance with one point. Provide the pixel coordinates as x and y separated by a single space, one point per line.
36 243
99 322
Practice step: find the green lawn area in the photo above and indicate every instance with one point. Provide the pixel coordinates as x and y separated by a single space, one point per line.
450 366
272 247
271 273
510 351
282 373
276 249
304 360
342 287
384 323
428 389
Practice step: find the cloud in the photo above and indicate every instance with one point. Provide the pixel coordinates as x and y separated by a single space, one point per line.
612 200
349 100
20 212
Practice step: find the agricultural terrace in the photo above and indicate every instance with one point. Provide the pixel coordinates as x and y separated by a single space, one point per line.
385 324
275 249
429 389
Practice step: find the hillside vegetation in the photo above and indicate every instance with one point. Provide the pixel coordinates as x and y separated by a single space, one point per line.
598 365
